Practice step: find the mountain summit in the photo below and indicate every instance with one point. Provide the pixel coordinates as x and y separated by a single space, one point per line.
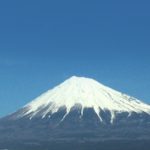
83 93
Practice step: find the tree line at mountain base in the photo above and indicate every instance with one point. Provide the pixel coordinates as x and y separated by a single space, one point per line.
82 145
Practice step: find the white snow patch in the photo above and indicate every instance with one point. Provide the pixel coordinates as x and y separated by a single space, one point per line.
89 94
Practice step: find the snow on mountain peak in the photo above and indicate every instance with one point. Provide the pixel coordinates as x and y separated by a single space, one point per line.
89 94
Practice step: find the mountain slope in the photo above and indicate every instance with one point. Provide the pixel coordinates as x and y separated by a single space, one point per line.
83 93
81 111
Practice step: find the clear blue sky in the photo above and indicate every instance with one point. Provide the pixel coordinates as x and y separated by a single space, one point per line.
44 42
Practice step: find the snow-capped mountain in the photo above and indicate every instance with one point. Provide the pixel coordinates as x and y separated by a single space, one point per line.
83 93
79 109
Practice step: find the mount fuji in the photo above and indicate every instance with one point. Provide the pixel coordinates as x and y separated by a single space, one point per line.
80 110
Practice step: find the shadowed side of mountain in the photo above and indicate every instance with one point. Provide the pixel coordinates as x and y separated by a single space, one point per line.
74 126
